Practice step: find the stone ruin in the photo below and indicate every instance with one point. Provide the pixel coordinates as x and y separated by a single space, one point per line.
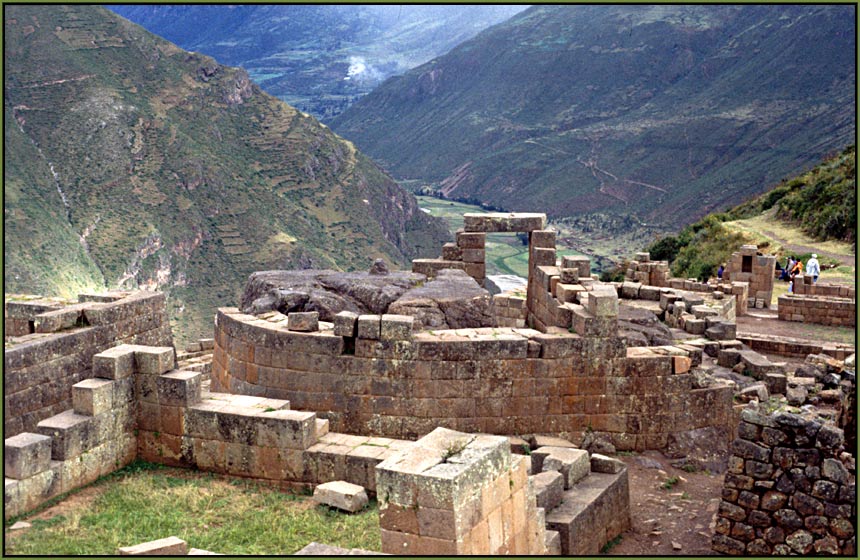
413 386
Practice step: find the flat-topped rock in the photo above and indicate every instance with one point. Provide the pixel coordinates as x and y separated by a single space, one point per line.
325 291
170 546
452 300
499 222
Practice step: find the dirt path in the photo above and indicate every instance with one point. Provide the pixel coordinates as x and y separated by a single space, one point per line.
847 260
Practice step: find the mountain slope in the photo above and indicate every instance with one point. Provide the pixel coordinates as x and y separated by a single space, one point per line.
174 172
318 58
667 112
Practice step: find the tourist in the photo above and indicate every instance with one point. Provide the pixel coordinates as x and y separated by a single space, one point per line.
720 272
812 268
796 269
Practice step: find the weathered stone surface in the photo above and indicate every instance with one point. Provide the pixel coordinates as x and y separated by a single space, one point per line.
498 222
603 464
549 487
341 495
71 434
171 546
452 300
378 268
154 360
396 327
573 464
369 326
325 291
114 363
346 324
179 388
26 454
303 321
637 324
92 396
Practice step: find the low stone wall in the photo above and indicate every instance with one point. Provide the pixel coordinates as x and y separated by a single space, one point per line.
805 287
837 312
503 381
39 369
795 348
786 490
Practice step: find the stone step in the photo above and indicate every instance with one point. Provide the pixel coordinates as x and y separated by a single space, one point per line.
592 513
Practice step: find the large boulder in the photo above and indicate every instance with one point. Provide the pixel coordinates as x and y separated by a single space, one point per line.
452 300
642 327
325 291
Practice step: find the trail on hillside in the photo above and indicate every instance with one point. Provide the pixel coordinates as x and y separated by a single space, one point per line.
847 260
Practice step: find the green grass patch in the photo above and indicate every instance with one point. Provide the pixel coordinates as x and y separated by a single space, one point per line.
231 516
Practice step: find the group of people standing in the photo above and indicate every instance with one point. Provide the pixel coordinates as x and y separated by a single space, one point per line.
793 267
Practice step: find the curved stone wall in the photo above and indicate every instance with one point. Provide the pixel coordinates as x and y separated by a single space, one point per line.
494 380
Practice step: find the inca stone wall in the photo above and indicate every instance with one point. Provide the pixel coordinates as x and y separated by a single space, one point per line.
502 381
837 312
56 345
787 490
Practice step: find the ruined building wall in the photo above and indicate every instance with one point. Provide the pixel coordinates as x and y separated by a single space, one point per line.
786 490
747 266
503 381
40 368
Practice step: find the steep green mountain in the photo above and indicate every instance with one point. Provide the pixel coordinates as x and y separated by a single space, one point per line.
318 58
821 202
132 163
663 112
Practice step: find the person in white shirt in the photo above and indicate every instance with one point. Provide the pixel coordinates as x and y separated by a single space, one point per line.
812 268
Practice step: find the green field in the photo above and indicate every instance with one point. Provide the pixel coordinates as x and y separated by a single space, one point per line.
145 502
506 253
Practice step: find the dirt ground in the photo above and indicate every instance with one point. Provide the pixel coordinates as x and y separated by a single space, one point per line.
666 518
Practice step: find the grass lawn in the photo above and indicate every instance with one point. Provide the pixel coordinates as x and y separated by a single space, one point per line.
144 502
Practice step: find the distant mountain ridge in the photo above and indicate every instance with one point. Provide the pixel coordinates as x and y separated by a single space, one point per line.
131 163
666 112
318 58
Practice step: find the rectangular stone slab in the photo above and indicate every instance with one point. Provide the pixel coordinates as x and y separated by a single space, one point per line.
498 222
171 546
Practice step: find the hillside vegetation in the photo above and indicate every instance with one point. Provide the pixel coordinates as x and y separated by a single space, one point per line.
318 58
822 203
131 163
662 112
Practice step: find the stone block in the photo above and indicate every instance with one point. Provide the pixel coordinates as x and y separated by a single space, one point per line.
154 360
471 240
549 487
71 434
396 327
179 388
473 255
776 383
291 429
171 546
569 275
92 396
114 363
581 262
341 495
345 324
603 464
603 301
573 464
369 326
630 290
649 293
25 455
498 222
451 252
307 321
